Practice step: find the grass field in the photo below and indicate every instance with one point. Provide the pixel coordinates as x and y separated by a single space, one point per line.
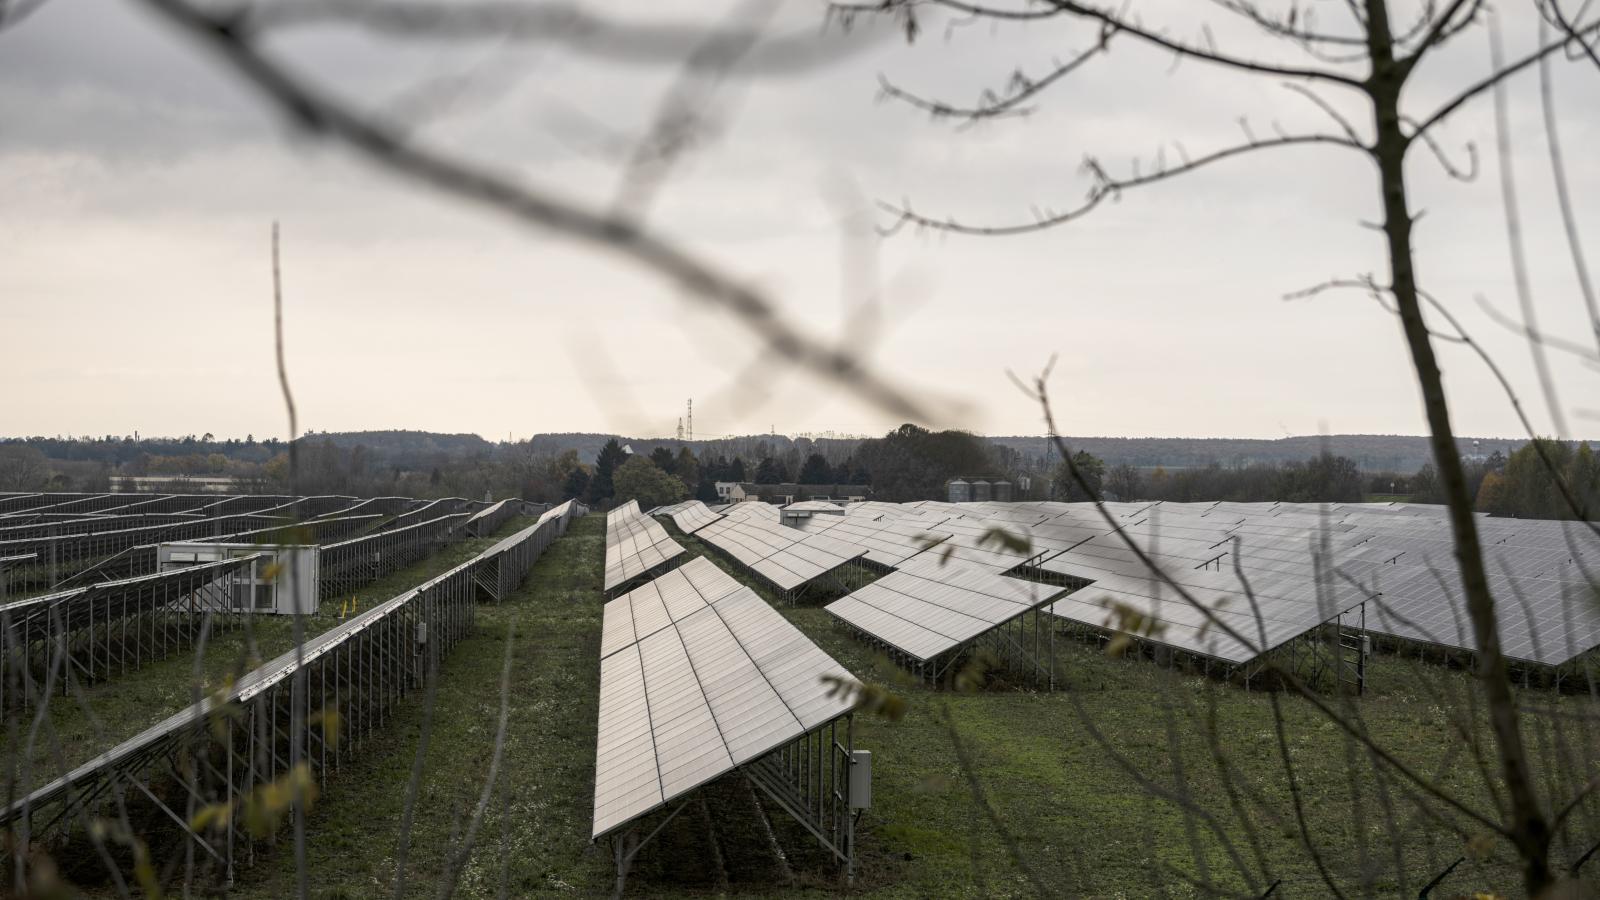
1060 809
1078 822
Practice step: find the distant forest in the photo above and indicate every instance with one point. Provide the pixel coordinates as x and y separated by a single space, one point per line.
909 463
1370 452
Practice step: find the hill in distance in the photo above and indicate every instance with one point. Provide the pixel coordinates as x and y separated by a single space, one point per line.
1372 452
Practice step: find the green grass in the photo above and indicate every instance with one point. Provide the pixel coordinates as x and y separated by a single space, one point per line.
1071 815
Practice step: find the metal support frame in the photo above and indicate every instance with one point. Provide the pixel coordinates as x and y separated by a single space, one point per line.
350 565
432 509
1330 656
808 778
487 521
233 746
650 574
60 557
95 633
1024 644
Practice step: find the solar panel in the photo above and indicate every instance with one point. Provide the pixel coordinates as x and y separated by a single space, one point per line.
718 688
656 604
929 608
635 545
885 541
1536 572
787 557
690 516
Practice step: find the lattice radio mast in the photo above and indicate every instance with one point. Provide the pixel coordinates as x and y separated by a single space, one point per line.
691 418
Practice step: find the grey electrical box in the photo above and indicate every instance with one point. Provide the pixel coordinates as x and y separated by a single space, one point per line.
860 779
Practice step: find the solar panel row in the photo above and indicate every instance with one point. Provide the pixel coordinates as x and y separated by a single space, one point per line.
699 676
635 545
787 557
1270 572
929 608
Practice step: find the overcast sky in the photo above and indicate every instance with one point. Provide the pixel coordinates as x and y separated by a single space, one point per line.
140 181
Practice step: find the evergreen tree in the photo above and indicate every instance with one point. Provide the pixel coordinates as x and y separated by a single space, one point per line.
601 487
687 468
663 459
770 471
576 483
815 471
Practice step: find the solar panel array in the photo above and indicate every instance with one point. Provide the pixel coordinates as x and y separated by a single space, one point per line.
635 545
690 516
929 608
359 668
488 520
111 627
699 677
753 509
348 565
787 557
1271 572
884 541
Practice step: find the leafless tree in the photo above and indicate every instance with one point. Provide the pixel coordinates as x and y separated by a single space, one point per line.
1371 62
22 468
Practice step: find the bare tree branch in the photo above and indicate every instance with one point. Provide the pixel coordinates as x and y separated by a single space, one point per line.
1461 336
1443 27
684 116
1500 74
1567 26
1558 171
1470 173
991 105
1040 392
1296 25
297 686
322 115
1513 220
15 12
1107 187
1325 106
567 25
1521 329
1119 22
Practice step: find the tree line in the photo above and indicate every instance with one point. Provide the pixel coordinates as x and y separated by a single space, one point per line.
906 464
1544 479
